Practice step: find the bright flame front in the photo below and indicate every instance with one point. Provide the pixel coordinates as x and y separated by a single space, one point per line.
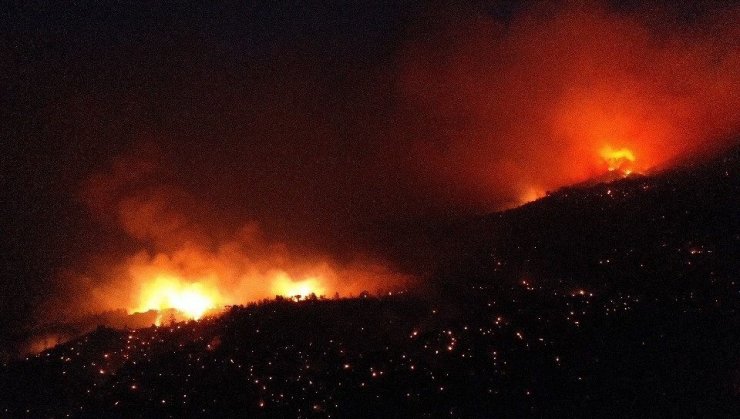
286 287
191 299
618 159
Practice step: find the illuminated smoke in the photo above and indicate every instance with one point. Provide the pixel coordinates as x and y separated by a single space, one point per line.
183 267
467 112
531 104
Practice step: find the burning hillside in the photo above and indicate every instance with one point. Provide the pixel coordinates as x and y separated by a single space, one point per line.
562 93
589 301
190 262
163 159
621 160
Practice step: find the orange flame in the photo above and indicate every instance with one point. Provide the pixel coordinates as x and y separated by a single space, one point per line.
618 159
285 286
530 194
166 292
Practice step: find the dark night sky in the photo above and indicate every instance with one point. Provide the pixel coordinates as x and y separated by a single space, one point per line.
299 117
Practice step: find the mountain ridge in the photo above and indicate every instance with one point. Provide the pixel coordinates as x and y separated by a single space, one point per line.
618 299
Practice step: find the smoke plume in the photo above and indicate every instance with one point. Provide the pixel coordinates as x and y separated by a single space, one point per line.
238 155
503 111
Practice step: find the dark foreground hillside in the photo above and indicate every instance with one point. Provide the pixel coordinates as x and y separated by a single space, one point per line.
619 299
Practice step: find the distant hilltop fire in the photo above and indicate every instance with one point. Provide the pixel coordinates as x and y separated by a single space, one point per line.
192 300
620 160
190 262
616 163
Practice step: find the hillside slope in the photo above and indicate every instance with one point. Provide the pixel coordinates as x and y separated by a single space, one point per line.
619 299
641 232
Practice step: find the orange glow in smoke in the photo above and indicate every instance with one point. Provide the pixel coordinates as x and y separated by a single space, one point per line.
166 292
618 159
531 194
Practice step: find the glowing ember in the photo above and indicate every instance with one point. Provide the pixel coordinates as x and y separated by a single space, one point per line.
191 299
286 287
621 159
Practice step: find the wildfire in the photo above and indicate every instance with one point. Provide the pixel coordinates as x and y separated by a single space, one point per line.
618 159
286 287
531 194
191 299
